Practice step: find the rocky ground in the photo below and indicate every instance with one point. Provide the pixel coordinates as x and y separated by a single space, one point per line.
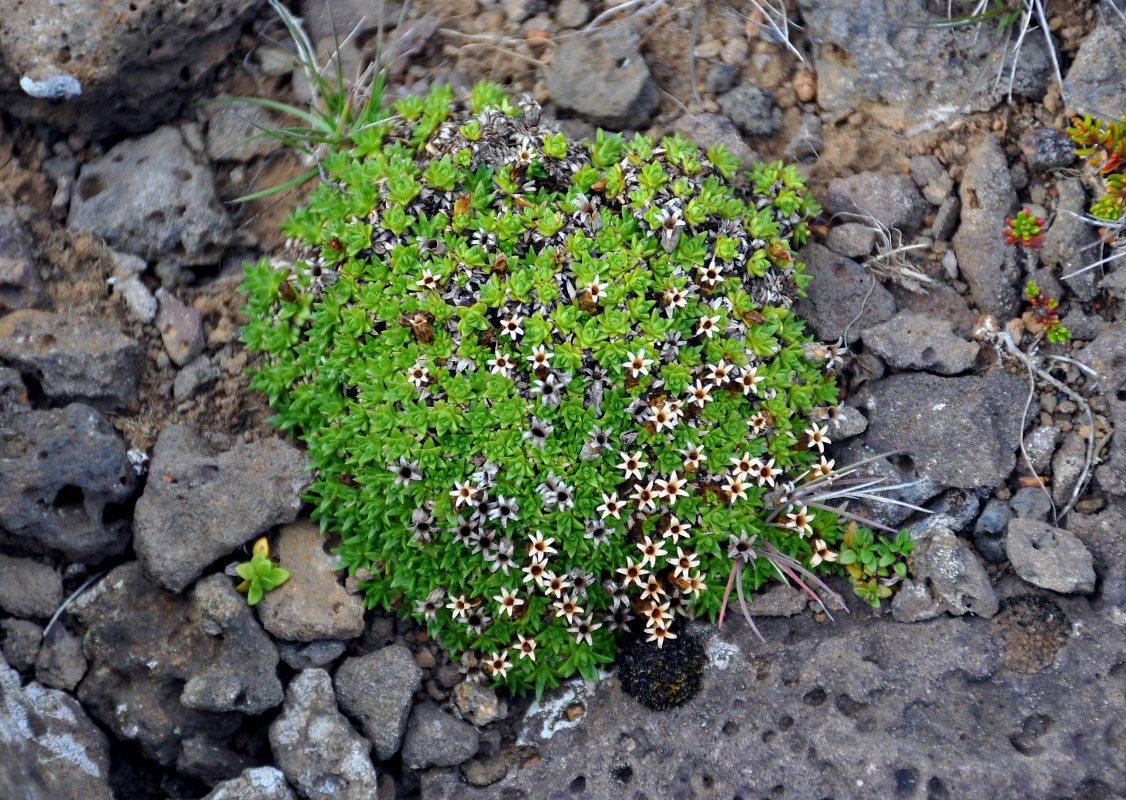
135 465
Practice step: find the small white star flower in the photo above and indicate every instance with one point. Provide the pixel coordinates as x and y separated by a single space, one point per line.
695 584
463 494
707 326
611 506
800 521
540 357
676 530
685 562
459 605
502 364
632 574
659 634
428 280
817 437
636 363
525 647
749 380
510 326
719 373
508 601
823 469
743 465
735 488
633 465
540 548
764 473
693 455
498 665
418 375
671 488
583 629
699 393
651 551
644 497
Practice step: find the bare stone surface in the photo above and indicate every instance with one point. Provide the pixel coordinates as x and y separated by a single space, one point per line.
377 691
916 341
201 503
258 783
20 284
947 577
712 130
166 668
104 66
960 432
316 748
604 78
49 748
180 326
837 293
74 359
312 604
1107 355
436 739
859 708
893 201
29 589
62 474
1049 557
150 197
990 266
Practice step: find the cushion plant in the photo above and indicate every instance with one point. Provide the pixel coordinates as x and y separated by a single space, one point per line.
550 390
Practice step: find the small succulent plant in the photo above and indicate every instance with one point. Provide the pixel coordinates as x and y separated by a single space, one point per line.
548 388
1103 145
1044 311
1024 229
260 574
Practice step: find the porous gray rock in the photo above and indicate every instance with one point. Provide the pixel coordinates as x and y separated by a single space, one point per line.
302 655
314 746
105 67
1101 534
153 652
859 708
312 604
1039 445
946 218
989 266
893 201
234 130
13 392
807 142
939 302
848 423
851 240
947 576
479 704
377 690
915 341
1096 83
20 284
720 77
989 530
210 762
571 13
1049 557
1071 244
1107 356
1046 149
205 503
28 588
961 432
150 197
713 130
837 294
1031 502
195 377
752 109
62 474
74 359
436 739
242 673
180 326
20 642
1067 465
258 783
604 78
49 748
348 18
61 662
911 77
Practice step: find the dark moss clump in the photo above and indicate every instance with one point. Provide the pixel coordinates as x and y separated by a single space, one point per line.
661 678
